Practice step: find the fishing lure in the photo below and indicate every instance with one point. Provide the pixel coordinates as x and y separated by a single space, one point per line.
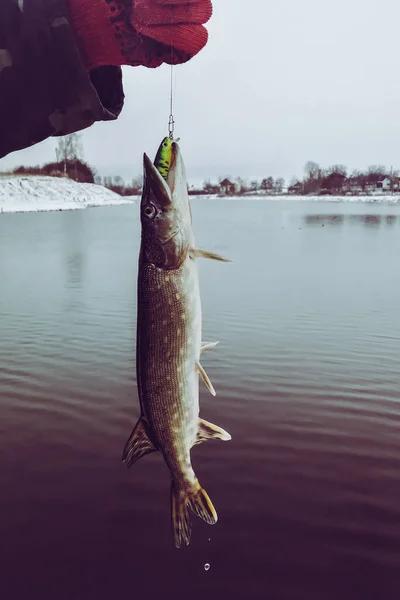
162 162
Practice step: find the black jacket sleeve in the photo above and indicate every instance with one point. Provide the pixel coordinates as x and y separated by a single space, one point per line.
44 87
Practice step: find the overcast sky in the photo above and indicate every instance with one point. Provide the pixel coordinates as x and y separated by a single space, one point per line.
279 83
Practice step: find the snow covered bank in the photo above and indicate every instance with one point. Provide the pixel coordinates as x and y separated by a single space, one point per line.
35 194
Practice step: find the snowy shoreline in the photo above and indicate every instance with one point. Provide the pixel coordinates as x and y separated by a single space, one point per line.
42 194
375 199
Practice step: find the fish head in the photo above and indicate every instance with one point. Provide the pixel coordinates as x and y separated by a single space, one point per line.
165 214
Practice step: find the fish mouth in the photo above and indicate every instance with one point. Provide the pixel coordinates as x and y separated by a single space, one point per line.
154 185
171 237
153 182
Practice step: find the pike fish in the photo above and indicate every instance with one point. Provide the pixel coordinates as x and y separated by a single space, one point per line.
168 346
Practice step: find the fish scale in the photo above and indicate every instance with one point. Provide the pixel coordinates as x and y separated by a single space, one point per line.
167 359
168 345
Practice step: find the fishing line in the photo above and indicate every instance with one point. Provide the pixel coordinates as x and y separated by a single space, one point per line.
171 120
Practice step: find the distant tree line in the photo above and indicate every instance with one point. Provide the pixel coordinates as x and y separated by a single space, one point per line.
240 186
335 180
77 170
119 186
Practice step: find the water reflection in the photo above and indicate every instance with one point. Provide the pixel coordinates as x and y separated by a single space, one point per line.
370 220
74 253
324 219
75 264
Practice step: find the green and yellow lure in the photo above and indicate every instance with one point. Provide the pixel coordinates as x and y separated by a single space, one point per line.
163 158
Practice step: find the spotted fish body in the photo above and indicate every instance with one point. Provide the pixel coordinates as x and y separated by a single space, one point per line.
163 158
169 343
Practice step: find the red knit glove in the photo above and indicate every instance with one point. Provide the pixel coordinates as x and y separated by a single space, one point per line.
139 32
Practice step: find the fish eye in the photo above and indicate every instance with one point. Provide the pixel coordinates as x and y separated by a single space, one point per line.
150 211
165 144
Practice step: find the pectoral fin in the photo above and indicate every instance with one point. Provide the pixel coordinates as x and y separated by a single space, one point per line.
205 378
138 445
198 253
208 346
209 431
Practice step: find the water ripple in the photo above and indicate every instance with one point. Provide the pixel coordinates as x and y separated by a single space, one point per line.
307 378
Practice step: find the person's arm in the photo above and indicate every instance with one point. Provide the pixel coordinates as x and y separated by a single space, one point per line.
60 60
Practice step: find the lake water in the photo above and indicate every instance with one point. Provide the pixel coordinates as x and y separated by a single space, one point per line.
307 375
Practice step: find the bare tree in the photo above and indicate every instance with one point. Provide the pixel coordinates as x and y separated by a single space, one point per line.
242 183
267 184
254 185
96 177
373 169
137 183
339 169
312 169
69 148
279 184
207 186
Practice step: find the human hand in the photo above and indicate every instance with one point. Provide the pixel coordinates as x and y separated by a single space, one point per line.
139 32
176 25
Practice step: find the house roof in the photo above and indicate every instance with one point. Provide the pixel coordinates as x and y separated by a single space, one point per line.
226 182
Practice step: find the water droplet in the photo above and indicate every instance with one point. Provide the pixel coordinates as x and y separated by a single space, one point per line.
206 567
209 539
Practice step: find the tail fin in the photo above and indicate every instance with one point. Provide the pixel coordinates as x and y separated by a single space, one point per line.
195 498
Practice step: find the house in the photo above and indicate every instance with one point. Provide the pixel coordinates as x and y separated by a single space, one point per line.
226 187
385 184
296 188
